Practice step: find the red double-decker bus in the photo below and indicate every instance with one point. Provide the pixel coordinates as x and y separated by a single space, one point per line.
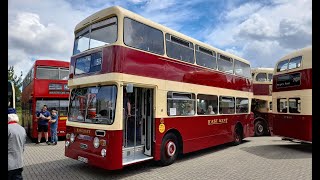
262 100
292 96
45 84
141 91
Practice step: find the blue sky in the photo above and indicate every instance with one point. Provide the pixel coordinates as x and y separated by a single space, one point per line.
259 31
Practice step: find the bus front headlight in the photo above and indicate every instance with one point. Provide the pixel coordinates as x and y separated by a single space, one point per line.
96 142
72 137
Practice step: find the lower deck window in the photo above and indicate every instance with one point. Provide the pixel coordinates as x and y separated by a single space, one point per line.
294 105
180 104
282 105
226 105
242 105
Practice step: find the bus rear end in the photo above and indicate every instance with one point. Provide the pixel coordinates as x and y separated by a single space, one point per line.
292 96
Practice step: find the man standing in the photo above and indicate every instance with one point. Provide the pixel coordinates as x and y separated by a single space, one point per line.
54 126
16 141
43 117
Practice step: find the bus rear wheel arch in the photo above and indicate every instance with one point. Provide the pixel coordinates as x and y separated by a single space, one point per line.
237 134
170 149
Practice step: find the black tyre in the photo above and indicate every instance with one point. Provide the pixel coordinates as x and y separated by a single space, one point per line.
169 149
260 128
237 135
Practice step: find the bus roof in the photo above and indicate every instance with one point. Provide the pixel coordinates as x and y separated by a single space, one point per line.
116 10
265 70
54 63
305 52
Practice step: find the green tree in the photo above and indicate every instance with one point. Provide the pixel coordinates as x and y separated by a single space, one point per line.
17 81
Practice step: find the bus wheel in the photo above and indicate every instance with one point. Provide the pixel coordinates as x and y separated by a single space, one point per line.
259 128
169 149
237 135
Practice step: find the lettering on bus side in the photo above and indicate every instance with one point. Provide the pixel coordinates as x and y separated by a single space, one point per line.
217 121
82 131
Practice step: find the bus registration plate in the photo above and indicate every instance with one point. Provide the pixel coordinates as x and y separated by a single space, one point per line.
83 159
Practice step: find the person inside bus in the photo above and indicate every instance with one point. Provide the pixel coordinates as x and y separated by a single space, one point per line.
43 117
54 126
190 110
284 110
200 110
108 111
210 110
127 113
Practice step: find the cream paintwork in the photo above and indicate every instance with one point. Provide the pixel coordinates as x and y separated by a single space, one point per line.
306 94
121 13
261 70
306 100
160 86
306 62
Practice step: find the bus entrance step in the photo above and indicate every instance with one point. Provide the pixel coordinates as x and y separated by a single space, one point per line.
137 157
134 154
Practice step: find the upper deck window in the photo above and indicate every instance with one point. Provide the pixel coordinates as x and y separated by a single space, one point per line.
282 65
261 77
206 57
242 69
98 34
89 64
143 37
52 73
179 49
225 64
270 76
295 62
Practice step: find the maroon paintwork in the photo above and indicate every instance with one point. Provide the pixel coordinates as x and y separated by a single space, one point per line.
130 61
113 159
261 89
38 89
306 81
201 135
195 132
193 138
293 126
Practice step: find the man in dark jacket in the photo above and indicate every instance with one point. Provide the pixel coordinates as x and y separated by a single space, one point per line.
43 118
16 141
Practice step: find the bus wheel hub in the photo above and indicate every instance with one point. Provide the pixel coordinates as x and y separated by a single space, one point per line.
260 128
171 148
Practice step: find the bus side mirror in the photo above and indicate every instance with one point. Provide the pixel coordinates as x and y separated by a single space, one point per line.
129 88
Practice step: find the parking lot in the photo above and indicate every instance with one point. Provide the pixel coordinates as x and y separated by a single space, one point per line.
257 158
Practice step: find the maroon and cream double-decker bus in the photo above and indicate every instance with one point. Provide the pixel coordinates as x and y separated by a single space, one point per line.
262 100
292 96
45 84
141 91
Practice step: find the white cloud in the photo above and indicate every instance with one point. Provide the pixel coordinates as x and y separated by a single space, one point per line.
40 29
256 27
153 5
27 33
242 11
137 1
260 31
263 33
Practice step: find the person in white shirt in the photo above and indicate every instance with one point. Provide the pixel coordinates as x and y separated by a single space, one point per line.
190 110
210 110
